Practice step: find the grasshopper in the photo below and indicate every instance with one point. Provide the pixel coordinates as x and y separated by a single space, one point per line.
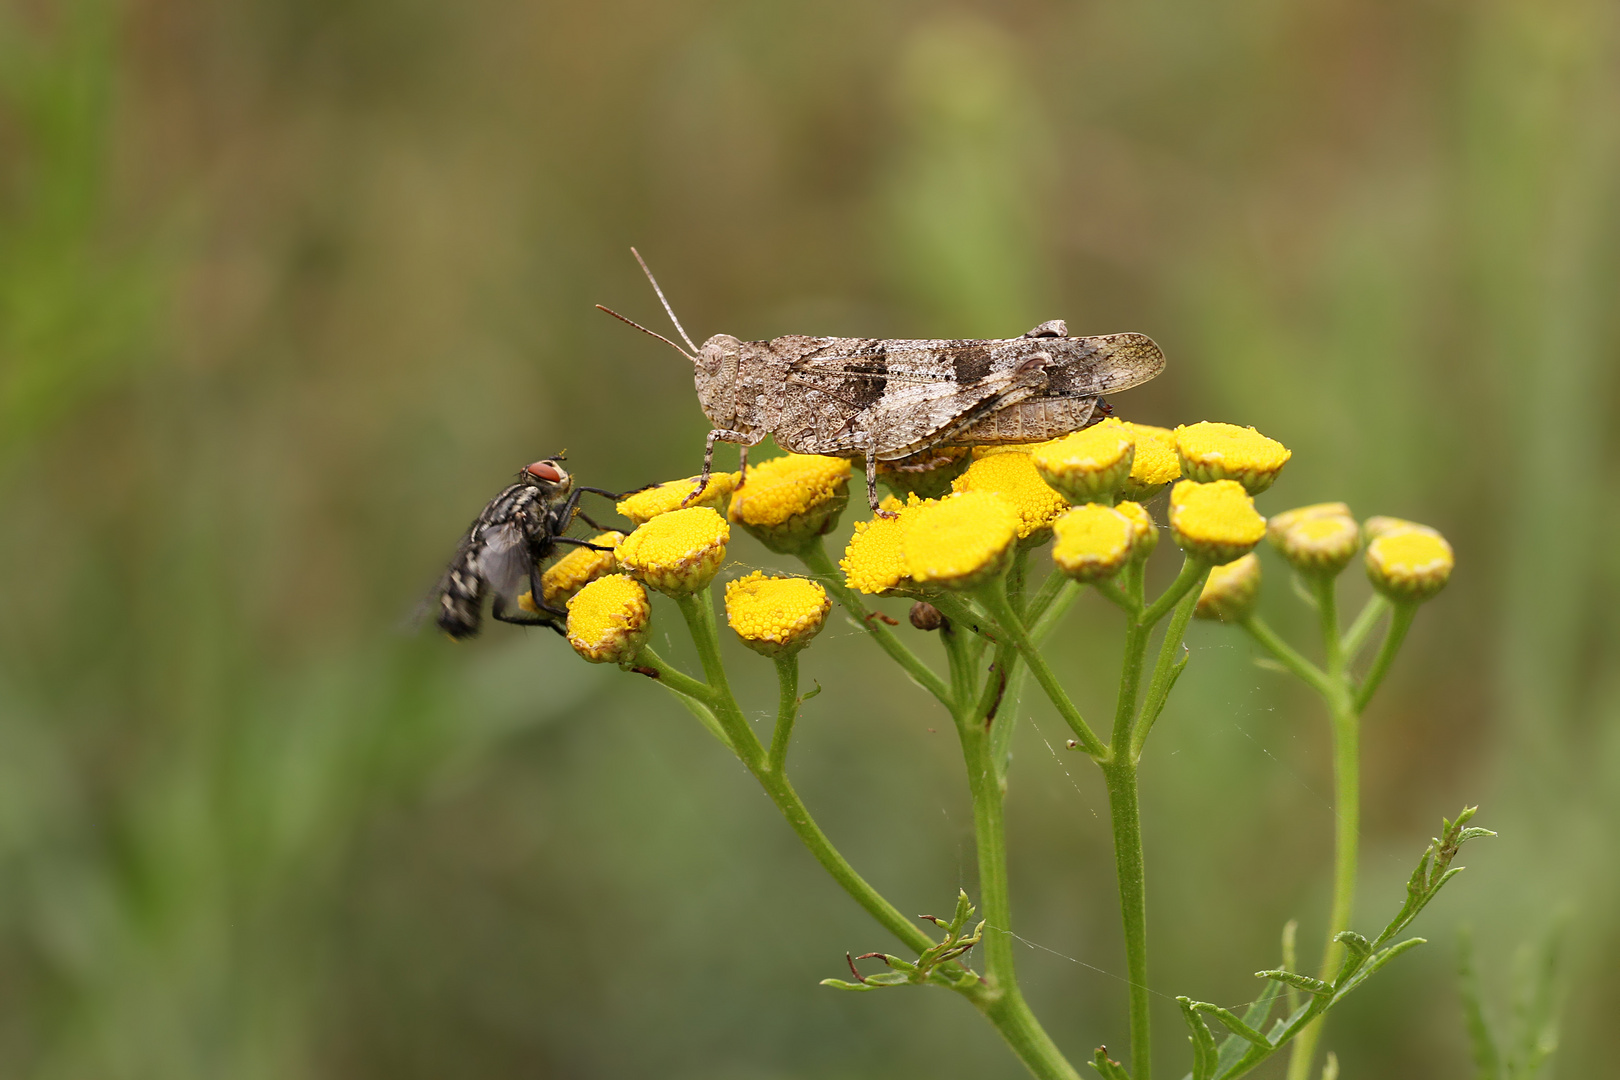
890 399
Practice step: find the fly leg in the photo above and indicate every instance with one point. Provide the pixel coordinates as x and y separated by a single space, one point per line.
580 543
717 435
544 616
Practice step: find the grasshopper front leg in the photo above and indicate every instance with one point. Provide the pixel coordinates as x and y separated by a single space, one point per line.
743 439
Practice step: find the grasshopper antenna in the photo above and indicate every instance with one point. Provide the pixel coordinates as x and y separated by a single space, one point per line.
661 299
644 330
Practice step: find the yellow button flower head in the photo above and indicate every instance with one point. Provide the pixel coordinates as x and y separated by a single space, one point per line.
927 475
776 616
643 506
1093 542
574 571
1013 477
1278 524
1088 464
1216 521
1154 464
1212 451
1005 448
1374 527
874 562
1147 533
959 541
788 501
1410 565
1320 544
1231 591
677 553
608 620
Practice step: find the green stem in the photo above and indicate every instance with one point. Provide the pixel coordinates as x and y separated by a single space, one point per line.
699 612
1052 588
815 559
994 597
1324 587
1400 622
1355 638
1043 618
1167 670
1001 1001
787 710
1346 834
696 696
1193 572
1130 682
1346 720
1267 638
1125 813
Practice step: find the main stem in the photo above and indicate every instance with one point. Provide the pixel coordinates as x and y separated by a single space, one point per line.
1346 721
1125 813
1004 1003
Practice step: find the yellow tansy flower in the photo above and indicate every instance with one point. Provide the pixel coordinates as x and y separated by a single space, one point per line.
1093 542
1004 448
1374 527
678 552
1154 465
1319 545
927 475
1215 521
1147 532
874 562
1410 565
643 506
1013 477
574 571
776 616
1211 451
1088 464
608 620
787 501
1231 591
959 541
1278 524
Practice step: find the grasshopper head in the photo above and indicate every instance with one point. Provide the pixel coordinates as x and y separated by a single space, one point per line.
715 372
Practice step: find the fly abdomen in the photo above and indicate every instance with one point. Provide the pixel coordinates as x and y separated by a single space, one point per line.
462 601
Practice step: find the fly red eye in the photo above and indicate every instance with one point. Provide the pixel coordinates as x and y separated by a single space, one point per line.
544 470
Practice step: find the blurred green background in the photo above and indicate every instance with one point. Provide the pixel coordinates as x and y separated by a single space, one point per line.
288 289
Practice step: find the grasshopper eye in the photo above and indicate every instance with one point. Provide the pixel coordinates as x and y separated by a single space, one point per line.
544 470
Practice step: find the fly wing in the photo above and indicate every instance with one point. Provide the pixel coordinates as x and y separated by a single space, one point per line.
504 562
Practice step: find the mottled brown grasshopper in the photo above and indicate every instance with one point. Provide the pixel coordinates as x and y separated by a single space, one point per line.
890 399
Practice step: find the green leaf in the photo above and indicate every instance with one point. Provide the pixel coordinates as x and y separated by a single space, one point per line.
1205 1055
1111 1069
1298 981
1233 1047
1482 1045
841 984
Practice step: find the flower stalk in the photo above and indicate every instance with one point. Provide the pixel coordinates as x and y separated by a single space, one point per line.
966 557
